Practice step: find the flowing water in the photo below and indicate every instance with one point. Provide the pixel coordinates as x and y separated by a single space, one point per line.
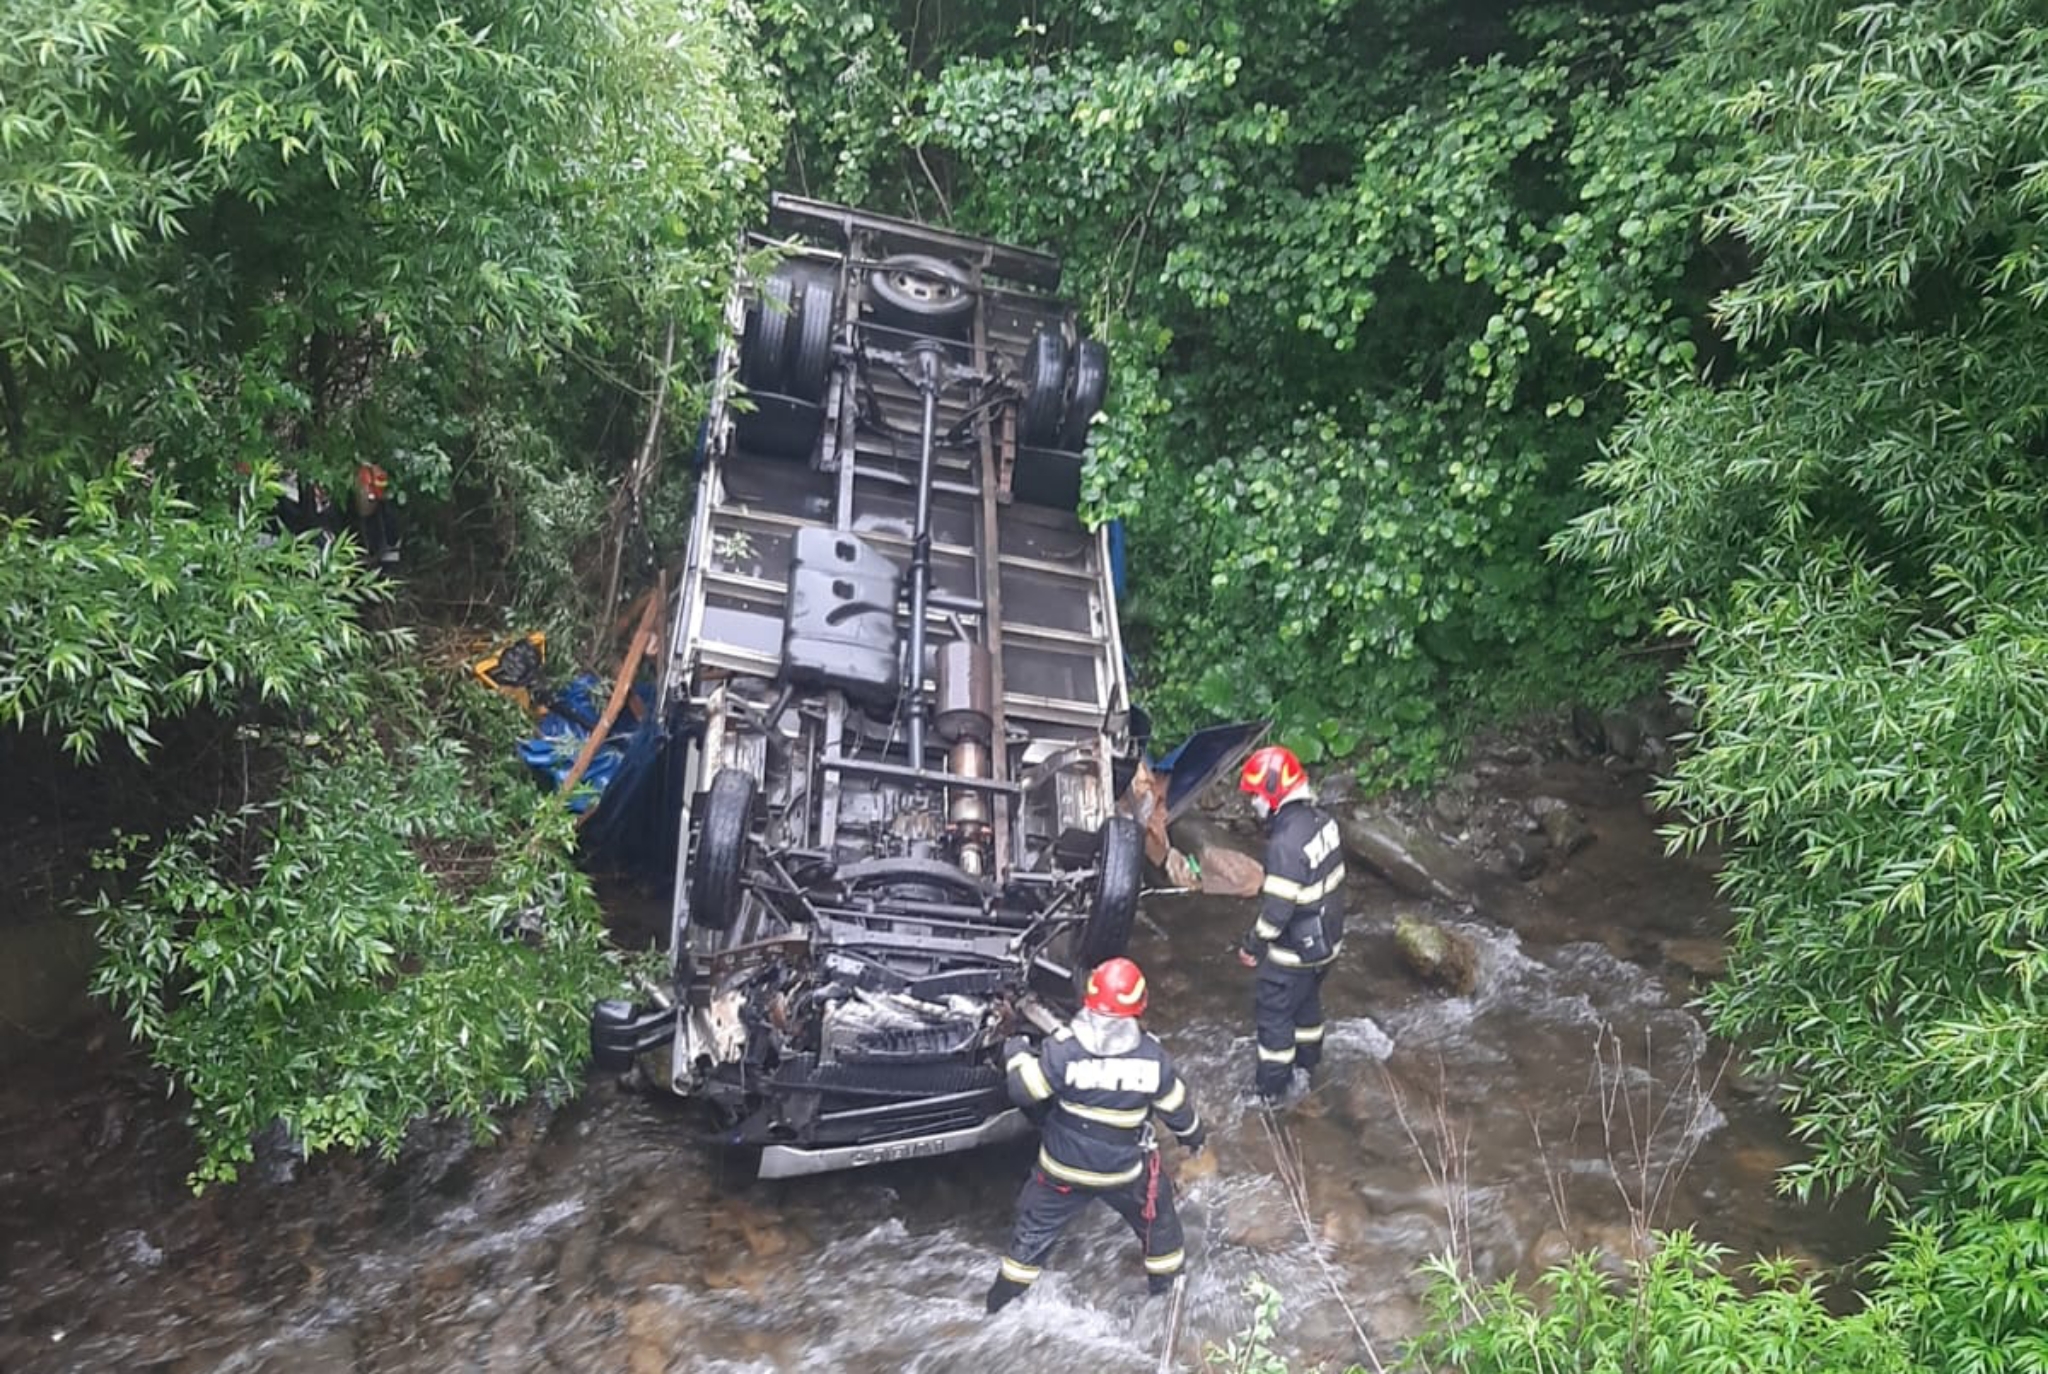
1571 1096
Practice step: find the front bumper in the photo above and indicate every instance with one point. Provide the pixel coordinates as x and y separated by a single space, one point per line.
791 1161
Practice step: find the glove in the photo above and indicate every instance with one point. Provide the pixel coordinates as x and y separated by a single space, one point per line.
1196 1143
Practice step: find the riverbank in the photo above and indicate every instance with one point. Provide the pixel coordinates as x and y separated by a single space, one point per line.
593 1236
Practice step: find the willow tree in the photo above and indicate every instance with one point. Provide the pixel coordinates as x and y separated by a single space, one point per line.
1850 521
245 237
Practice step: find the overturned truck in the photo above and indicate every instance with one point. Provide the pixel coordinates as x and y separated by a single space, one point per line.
896 699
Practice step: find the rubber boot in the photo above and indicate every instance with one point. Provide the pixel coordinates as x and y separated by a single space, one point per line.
1158 1284
1003 1292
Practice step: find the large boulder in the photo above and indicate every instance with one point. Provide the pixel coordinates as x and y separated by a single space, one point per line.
1437 955
1222 864
1410 858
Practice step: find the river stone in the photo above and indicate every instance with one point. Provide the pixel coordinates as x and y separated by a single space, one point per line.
1624 733
1415 862
1510 855
1587 733
1263 1222
1552 1250
656 1333
1437 955
1562 825
1707 958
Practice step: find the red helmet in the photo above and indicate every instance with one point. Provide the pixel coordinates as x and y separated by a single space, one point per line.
1270 774
1116 988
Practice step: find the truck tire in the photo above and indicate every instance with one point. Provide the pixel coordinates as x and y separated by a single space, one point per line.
1115 911
918 291
1091 387
1045 390
721 857
810 361
767 336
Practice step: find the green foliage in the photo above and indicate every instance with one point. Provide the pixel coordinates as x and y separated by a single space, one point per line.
390 939
1851 531
324 234
1251 1350
1364 309
140 609
1849 525
1975 1292
246 236
1679 1314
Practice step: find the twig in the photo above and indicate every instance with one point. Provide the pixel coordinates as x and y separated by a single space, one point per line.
628 499
1287 1163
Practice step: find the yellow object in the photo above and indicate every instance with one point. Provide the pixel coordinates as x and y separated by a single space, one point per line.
514 670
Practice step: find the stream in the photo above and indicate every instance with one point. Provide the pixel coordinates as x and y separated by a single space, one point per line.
1571 1097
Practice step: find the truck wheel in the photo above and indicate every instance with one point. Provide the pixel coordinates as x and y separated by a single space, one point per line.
811 359
1108 932
767 336
720 861
917 291
1045 390
1091 386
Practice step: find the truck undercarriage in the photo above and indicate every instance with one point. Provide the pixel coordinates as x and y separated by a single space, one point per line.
895 690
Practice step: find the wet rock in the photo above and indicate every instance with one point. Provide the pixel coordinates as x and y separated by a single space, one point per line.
1262 1223
1194 1170
1745 1078
1225 863
1412 860
1586 733
657 1334
1705 957
1552 1250
1338 789
1656 753
323 1352
764 1239
1615 1248
1563 826
1624 733
279 1154
516 1331
1436 955
1452 806
112 1128
576 1263
1514 855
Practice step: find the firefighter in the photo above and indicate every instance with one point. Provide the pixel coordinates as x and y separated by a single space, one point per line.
1301 919
1094 1086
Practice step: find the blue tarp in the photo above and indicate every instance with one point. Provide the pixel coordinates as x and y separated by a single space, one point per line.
571 714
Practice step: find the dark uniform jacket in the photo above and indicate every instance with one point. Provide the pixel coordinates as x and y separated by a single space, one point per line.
1096 1105
1301 912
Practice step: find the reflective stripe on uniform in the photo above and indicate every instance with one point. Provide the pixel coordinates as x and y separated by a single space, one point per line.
1027 1068
1286 889
1019 1273
1300 894
1286 957
1165 1264
1170 1100
1088 1178
1307 1035
1266 930
1108 1116
1285 1056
